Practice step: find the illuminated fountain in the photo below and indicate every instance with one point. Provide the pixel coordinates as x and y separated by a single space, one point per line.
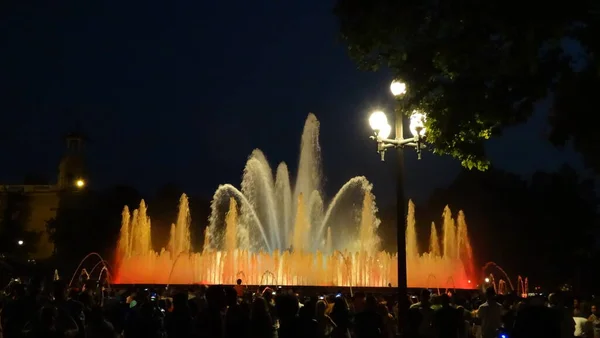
292 234
501 287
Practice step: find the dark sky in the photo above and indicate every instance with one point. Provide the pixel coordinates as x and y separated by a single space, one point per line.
183 91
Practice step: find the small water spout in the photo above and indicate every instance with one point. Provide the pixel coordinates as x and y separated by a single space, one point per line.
268 274
499 268
91 254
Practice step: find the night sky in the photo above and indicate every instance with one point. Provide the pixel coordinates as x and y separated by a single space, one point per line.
182 91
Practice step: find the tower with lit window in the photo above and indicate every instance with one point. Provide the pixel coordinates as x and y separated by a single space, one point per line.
71 170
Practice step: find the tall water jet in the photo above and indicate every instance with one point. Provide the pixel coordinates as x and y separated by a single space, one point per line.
140 226
434 242
301 227
231 221
368 240
450 245
412 249
465 243
124 248
180 240
314 211
291 232
329 242
206 243
259 188
283 194
309 166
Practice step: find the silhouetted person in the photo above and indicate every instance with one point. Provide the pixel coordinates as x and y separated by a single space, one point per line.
268 296
508 317
209 322
239 288
421 316
368 323
340 314
567 323
535 320
261 323
70 307
179 322
287 307
144 320
490 314
447 320
306 319
325 325
236 318
388 321
594 318
583 327
15 313
98 326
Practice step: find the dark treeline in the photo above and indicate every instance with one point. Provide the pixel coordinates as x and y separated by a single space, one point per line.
543 227
90 221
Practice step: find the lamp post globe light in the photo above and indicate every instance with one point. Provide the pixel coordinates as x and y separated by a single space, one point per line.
398 88
382 131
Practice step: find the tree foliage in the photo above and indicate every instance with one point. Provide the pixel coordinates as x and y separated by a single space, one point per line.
477 67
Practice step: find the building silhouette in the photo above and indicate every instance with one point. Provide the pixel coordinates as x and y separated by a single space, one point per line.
33 205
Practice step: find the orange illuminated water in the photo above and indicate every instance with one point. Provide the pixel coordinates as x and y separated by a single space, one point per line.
267 233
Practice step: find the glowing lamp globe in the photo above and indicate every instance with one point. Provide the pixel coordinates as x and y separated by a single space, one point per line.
379 124
80 183
385 131
398 88
417 124
377 120
20 242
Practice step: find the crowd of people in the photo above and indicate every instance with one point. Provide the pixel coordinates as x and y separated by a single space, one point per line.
89 310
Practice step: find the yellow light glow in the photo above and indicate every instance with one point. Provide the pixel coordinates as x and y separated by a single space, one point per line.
80 183
417 123
398 88
385 131
378 120
487 280
20 242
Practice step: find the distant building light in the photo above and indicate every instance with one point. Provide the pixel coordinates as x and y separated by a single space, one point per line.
80 183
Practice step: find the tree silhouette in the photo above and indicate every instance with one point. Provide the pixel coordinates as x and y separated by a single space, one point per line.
477 68
89 221
538 228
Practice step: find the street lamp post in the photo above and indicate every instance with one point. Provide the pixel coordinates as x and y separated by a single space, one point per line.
382 130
